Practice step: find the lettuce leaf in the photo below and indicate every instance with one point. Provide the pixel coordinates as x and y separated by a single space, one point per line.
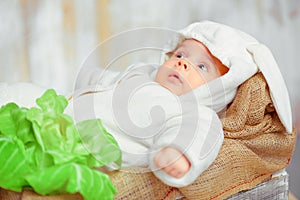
43 149
13 164
90 183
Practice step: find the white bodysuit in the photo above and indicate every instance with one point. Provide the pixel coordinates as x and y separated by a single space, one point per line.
144 117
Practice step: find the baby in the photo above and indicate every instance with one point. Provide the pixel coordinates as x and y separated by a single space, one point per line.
189 66
182 141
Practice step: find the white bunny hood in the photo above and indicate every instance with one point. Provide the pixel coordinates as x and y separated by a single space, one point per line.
244 56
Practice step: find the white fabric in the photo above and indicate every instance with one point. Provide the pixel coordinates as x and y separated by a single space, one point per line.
244 56
23 94
144 117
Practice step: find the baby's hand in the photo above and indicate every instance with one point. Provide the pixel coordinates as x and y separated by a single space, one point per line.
172 161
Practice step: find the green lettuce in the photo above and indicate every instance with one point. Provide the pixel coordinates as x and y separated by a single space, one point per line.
43 149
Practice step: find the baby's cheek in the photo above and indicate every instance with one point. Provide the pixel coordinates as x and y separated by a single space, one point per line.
194 80
169 63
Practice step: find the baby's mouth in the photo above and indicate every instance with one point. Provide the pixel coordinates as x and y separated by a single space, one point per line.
175 78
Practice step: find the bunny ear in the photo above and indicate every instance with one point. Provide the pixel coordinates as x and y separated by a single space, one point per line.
267 65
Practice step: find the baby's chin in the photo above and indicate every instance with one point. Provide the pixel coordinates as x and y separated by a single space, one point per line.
173 89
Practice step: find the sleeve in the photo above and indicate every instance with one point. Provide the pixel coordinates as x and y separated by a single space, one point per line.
91 76
94 78
198 136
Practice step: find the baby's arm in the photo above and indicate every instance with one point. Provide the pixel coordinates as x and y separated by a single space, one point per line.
182 153
172 161
91 76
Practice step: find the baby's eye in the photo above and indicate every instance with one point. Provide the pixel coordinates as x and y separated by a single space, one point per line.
203 67
179 55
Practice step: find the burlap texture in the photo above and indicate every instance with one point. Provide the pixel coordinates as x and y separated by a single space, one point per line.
255 146
30 195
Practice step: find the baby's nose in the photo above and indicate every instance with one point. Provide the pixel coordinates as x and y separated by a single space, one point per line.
184 64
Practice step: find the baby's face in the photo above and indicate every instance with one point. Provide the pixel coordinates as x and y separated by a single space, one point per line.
190 66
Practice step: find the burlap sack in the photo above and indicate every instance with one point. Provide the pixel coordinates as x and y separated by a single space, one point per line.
255 146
